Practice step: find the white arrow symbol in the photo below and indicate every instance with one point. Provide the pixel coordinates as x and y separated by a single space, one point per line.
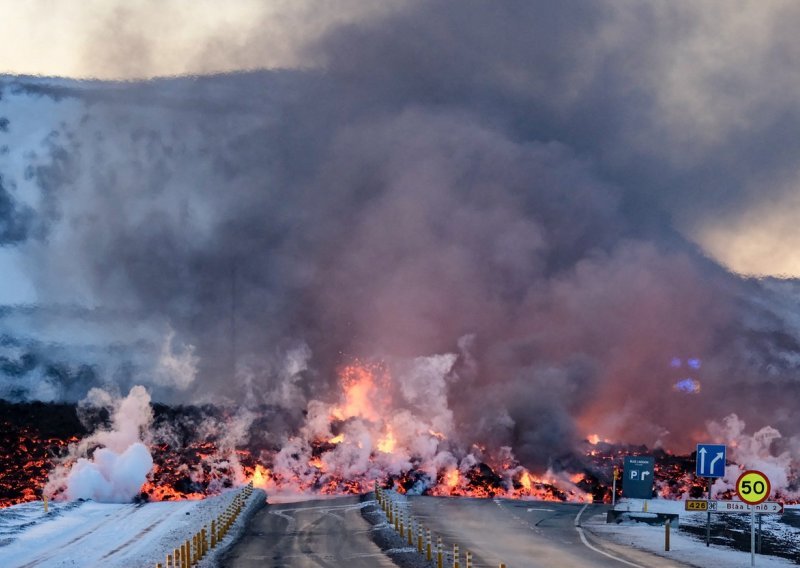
715 460
702 453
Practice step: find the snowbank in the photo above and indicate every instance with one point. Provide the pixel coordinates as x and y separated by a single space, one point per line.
85 533
684 546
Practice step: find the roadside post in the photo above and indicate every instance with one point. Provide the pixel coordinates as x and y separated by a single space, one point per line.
758 547
710 463
753 488
617 475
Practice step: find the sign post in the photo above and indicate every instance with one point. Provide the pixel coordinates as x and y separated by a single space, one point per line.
753 488
708 517
614 487
763 508
710 464
638 482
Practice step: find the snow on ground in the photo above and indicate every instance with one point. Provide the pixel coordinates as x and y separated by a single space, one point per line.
85 533
687 545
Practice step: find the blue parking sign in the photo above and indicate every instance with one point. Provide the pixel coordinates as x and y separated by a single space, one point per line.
710 460
637 479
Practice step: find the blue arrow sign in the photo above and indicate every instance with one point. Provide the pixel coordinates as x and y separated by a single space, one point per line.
710 460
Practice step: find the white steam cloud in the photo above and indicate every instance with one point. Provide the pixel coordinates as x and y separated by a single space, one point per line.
120 462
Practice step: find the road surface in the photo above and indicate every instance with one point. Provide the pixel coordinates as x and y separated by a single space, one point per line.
328 533
529 534
523 534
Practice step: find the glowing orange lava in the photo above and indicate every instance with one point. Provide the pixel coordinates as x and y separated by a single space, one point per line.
360 386
451 478
387 443
261 477
525 480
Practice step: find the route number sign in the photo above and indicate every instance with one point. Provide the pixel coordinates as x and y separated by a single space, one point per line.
763 508
696 505
753 487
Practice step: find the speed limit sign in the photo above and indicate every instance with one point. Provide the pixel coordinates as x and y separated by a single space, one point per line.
753 487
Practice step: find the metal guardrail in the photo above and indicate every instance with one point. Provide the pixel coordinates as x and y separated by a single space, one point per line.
191 551
399 517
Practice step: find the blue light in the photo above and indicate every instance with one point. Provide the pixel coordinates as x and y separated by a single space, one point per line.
688 385
675 363
694 363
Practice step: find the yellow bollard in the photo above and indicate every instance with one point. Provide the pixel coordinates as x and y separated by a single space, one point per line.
439 554
410 531
185 554
176 558
666 535
429 555
158 565
169 561
44 500
468 561
456 557
419 539
502 565
204 537
213 534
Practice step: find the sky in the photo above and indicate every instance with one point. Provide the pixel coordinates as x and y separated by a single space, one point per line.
137 39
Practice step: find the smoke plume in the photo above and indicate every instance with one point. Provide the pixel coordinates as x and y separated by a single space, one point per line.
120 460
501 204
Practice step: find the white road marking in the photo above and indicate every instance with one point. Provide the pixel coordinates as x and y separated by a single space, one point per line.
407 550
352 507
539 509
586 542
292 522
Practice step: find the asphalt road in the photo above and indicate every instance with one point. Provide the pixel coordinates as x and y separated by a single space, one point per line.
328 533
525 534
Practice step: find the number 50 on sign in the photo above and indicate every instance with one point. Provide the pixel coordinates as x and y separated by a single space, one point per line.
753 487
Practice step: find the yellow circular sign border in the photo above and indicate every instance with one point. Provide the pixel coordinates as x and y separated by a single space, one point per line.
766 480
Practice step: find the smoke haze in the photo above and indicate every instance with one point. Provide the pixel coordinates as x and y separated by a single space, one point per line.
502 203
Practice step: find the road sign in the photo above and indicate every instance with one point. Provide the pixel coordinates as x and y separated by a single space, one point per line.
765 508
710 460
637 481
753 487
696 505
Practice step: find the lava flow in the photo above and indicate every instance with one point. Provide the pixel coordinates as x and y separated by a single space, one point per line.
375 429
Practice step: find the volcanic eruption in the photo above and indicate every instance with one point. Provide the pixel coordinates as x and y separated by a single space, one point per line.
440 253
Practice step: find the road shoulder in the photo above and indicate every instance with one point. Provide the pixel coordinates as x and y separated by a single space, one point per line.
385 537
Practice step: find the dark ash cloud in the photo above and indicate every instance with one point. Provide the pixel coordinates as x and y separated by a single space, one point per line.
519 174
